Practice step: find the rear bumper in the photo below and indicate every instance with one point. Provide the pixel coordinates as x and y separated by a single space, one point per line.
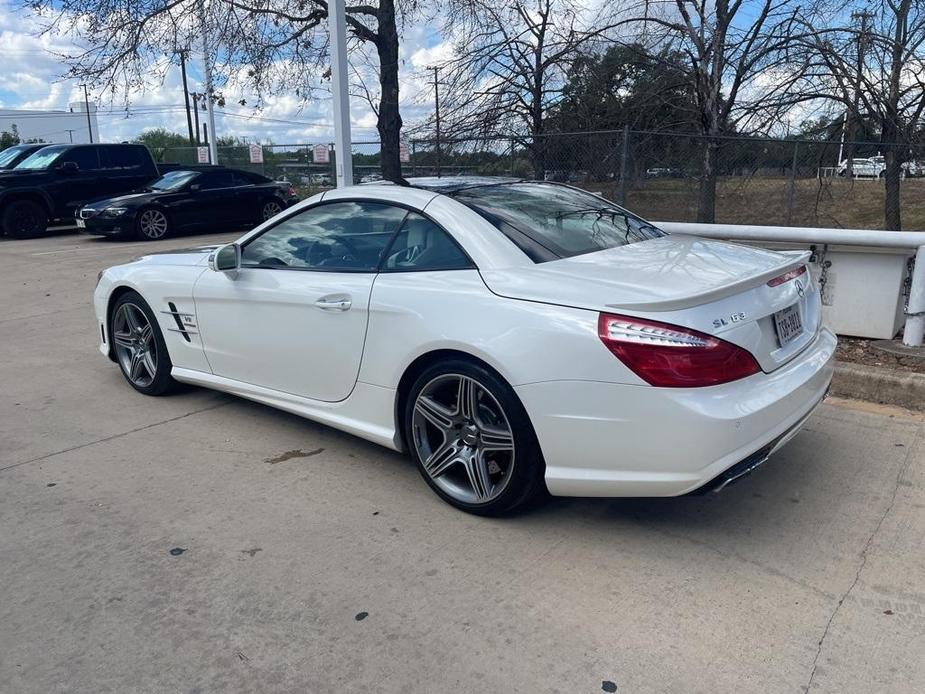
607 439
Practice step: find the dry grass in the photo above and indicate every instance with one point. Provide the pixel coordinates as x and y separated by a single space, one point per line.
829 202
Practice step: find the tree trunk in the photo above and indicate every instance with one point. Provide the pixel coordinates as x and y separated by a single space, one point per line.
706 204
890 133
389 121
892 179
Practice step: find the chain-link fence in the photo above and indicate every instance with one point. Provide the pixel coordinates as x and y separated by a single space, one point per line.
666 176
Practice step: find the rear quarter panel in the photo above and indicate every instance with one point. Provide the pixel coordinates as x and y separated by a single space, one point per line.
413 313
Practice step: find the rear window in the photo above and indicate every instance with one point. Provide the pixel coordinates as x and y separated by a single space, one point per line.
124 157
549 221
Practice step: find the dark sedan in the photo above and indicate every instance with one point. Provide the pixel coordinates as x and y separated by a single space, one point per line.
188 200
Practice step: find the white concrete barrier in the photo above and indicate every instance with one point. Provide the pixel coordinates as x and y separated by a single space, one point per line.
872 289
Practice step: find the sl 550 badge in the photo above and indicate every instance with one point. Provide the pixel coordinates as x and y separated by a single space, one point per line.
734 318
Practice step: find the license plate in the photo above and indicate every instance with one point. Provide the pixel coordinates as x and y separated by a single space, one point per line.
789 324
81 224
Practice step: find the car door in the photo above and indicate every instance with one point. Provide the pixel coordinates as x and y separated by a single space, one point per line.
77 179
293 318
122 165
215 198
249 198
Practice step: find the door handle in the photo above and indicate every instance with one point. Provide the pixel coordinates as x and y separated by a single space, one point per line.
334 303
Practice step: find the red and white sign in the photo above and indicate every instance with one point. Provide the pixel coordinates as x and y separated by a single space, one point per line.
321 154
403 154
256 154
202 155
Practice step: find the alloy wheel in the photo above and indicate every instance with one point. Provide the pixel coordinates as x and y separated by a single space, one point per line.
463 438
153 224
271 209
135 347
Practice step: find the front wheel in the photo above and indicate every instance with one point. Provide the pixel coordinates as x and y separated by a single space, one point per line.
24 219
139 346
472 439
152 224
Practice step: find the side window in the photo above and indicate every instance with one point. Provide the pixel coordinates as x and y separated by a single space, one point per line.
422 245
346 236
215 179
86 158
124 157
243 179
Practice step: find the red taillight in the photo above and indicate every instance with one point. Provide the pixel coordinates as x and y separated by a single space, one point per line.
787 276
291 192
670 356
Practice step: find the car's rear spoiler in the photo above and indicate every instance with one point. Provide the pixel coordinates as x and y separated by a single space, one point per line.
794 260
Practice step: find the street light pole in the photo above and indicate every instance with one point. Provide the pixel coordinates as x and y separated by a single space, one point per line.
207 66
343 149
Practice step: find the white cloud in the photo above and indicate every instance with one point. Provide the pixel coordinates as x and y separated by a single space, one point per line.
33 78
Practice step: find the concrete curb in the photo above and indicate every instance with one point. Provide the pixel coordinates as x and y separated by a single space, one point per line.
880 385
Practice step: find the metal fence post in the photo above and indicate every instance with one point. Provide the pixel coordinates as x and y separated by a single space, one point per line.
512 157
414 151
793 182
624 156
332 162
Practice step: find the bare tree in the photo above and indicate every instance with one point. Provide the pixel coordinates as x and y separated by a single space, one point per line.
509 66
279 46
874 67
737 61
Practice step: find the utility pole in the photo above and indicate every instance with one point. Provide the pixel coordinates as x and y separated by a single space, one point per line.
70 134
196 116
189 117
207 65
87 108
337 40
436 70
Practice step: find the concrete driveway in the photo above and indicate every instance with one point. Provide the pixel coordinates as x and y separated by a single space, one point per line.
200 543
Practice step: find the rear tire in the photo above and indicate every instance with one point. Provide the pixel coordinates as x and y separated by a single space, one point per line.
24 219
270 209
139 347
482 457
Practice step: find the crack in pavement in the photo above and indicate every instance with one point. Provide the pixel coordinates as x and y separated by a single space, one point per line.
113 436
867 545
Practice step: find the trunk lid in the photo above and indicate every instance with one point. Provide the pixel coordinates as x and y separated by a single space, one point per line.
715 287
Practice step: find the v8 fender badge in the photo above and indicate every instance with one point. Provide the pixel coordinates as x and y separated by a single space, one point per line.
734 318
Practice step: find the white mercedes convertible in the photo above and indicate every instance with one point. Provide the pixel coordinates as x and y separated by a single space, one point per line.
512 336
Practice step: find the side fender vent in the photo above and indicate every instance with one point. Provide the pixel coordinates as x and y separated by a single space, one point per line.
184 321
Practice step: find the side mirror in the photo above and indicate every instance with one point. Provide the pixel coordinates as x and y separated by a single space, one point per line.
69 167
226 259
194 187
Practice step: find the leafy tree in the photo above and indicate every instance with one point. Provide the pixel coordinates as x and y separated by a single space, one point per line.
626 86
9 138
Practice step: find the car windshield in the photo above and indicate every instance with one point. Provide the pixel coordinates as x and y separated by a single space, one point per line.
173 180
42 159
10 153
562 221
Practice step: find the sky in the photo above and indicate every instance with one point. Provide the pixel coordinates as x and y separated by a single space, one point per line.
32 79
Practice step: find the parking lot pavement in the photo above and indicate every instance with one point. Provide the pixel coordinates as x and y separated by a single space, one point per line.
305 560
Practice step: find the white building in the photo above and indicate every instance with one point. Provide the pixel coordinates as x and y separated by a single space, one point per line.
52 126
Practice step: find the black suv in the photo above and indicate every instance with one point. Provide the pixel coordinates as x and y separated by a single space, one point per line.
57 179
